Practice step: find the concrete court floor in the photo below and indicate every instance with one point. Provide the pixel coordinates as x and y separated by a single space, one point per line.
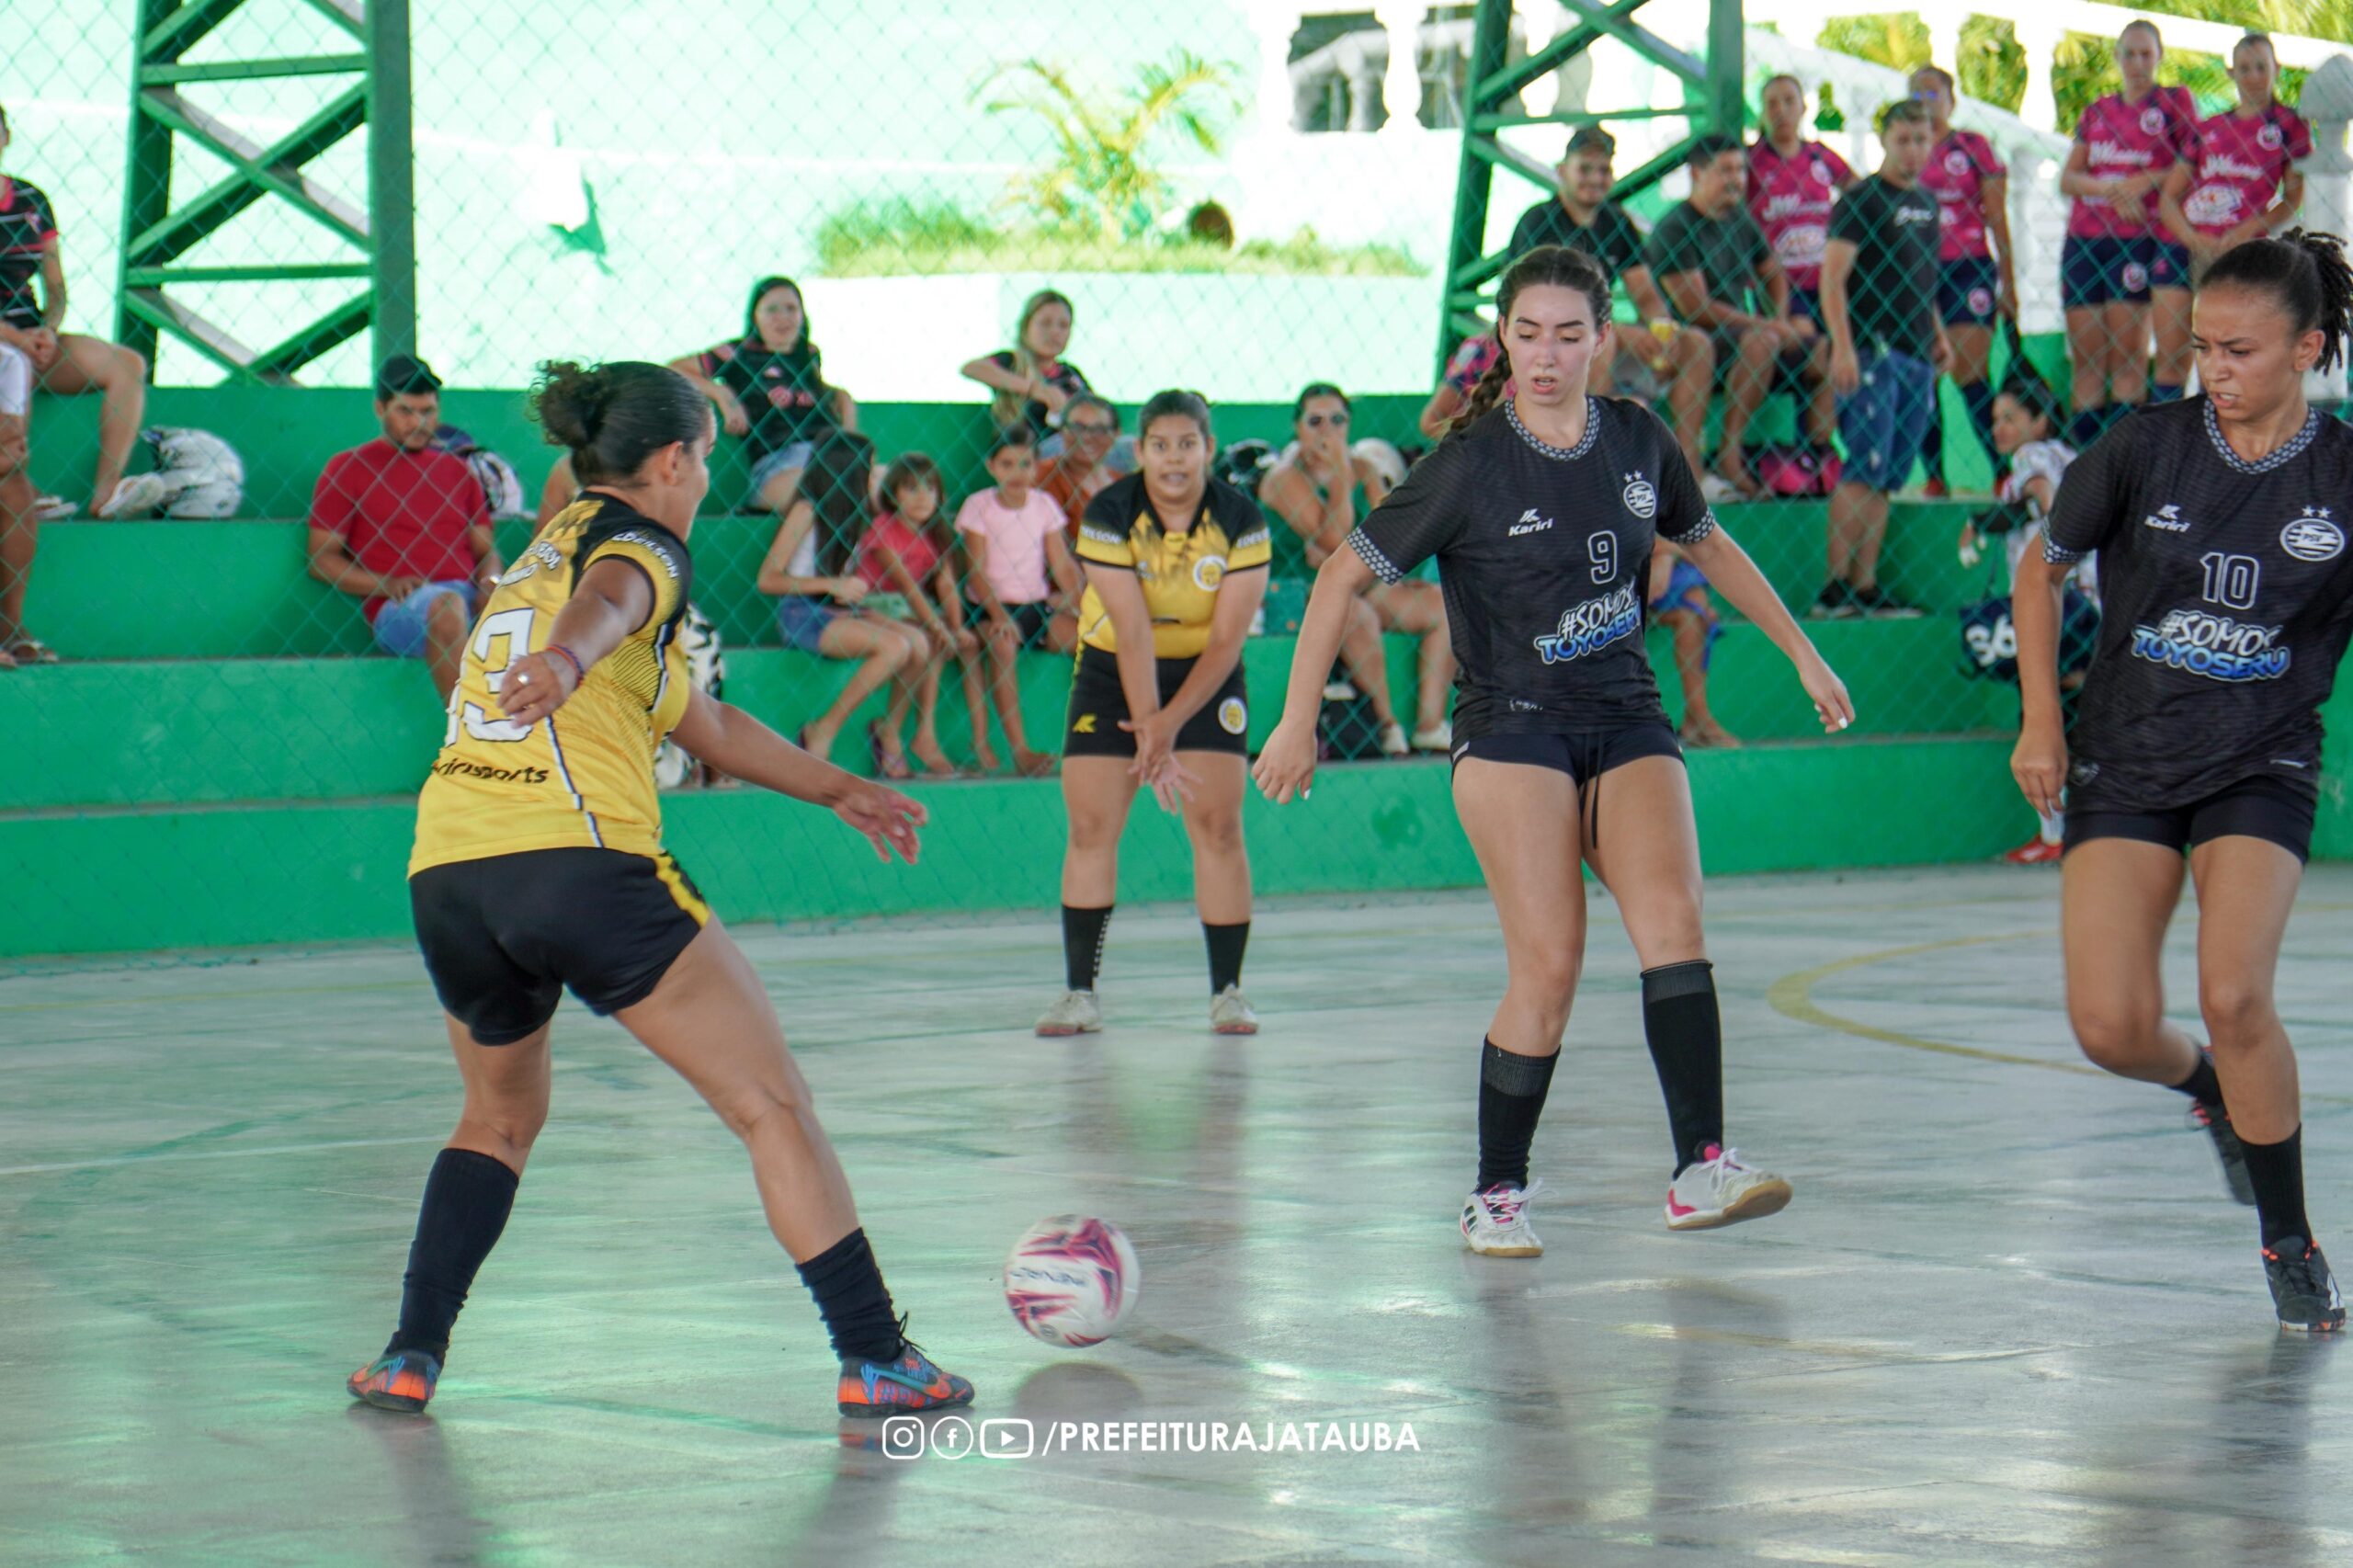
2011 1319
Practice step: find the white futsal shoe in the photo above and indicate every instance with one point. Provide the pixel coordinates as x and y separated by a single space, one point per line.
1496 1221
1073 1012
1231 1013
1720 1190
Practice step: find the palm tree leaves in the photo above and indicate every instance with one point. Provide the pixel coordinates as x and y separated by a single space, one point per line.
1100 178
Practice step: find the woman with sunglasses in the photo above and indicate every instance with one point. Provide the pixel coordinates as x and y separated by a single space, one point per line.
1320 491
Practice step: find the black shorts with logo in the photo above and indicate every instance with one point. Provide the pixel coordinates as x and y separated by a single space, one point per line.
1098 704
1584 755
2266 806
504 936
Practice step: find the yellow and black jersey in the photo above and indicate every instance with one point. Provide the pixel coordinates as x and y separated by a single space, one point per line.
1181 570
583 778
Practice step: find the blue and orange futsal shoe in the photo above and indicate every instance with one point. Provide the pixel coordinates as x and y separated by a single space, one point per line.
903 1387
398 1379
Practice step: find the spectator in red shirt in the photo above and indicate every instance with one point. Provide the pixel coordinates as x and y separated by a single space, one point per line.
1090 429
404 526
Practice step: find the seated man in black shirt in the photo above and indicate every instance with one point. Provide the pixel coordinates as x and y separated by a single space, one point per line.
1716 267
1879 292
1582 217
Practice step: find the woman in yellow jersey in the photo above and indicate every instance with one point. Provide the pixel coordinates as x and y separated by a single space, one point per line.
538 865
1176 568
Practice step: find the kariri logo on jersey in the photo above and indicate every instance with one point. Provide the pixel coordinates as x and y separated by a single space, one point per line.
1529 523
2168 518
2313 537
1592 626
1641 496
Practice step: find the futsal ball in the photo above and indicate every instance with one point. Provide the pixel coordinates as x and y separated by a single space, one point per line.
1071 1279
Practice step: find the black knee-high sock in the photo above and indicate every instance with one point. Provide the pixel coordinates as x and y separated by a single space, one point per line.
2165 392
1932 441
2202 1085
2085 426
1979 396
1083 934
1686 1035
1225 944
1511 1100
467 1199
853 1301
2278 1172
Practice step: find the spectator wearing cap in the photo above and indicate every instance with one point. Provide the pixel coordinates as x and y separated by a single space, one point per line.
404 527
1090 429
1719 270
1580 216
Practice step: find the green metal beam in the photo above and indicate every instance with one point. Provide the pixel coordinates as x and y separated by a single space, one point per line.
1713 100
156 232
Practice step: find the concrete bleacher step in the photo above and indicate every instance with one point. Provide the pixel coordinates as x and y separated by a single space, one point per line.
195 730
176 590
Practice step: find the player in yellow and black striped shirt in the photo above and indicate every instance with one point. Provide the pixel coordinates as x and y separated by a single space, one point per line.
538 865
1175 565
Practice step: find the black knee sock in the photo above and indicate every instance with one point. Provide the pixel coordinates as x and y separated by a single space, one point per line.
1979 396
1932 441
1225 943
2085 426
853 1301
1083 934
1511 1099
2165 392
467 1199
1686 1035
2202 1085
2278 1172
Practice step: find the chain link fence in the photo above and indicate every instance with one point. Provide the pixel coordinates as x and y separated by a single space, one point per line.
883 239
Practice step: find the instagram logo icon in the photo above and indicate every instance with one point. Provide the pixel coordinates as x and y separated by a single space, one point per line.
902 1437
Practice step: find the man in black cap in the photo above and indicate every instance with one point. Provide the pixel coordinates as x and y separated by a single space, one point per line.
405 527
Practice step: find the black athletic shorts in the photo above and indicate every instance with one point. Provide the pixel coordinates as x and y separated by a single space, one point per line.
1583 754
2265 806
1030 620
1098 704
504 936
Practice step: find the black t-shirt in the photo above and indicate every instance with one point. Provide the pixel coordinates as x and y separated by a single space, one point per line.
1610 239
1728 252
2226 599
1066 377
1891 291
1544 558
28 224
784 395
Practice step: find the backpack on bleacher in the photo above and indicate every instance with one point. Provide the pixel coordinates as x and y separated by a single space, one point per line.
202 475
674 768
501 485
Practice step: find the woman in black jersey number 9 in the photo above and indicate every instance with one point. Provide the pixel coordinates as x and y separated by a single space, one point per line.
2226 597
1542 507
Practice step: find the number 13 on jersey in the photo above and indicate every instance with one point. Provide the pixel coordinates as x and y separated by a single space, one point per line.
508 634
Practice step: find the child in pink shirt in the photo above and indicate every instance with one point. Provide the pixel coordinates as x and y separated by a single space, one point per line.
1019 578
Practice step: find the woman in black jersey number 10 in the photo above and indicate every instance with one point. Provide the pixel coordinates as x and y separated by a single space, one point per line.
2226 602
1542 509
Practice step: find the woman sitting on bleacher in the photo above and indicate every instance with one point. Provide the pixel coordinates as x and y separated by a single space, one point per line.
1319 494
770 387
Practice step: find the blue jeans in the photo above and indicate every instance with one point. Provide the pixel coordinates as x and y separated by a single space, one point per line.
400 625
1884 420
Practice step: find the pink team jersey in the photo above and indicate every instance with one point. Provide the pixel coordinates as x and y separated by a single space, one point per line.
1957 169
1790 197
2236 165
2122 139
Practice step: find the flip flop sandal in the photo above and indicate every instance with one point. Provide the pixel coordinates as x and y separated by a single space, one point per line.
32 651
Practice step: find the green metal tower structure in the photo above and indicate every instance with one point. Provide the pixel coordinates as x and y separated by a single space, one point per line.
1711 101
158 229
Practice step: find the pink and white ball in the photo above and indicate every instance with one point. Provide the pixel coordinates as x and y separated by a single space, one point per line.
1071 1279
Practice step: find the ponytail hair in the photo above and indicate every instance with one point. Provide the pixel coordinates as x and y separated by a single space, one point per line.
2306 273
1547 265
613 417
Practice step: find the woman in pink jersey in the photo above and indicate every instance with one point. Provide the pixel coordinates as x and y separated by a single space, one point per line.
2237 181
1792 183
1974 280
2126 146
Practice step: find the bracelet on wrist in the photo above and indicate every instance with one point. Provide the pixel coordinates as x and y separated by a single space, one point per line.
579 670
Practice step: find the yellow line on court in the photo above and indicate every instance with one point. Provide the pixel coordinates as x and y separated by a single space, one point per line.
1792 997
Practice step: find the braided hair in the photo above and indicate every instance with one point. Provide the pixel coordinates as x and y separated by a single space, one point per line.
2306 273
1547 265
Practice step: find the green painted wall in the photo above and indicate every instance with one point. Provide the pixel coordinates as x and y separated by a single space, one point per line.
232 876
